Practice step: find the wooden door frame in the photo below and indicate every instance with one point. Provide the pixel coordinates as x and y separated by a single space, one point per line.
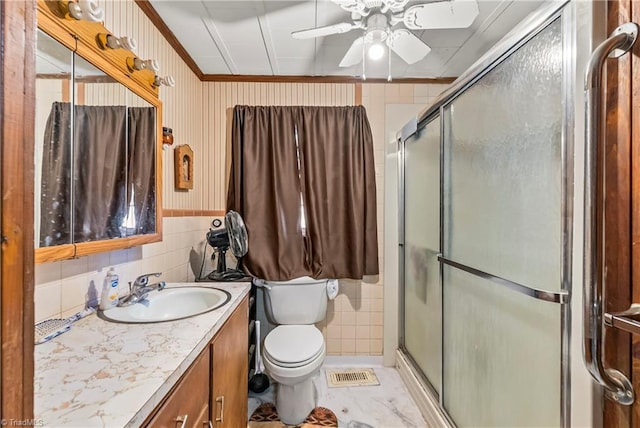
635 208
622 206
17 115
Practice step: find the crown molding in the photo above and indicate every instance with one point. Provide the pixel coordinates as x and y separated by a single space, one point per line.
318 79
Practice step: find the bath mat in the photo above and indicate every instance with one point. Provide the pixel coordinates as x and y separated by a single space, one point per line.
351 377
266 416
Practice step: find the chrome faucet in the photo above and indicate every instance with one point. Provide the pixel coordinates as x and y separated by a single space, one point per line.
140 288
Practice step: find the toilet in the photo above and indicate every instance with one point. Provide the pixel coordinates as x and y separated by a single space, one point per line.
294 351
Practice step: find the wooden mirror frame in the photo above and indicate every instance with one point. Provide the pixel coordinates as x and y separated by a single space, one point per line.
82 37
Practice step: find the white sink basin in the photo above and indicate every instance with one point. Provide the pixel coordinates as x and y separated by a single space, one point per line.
169 304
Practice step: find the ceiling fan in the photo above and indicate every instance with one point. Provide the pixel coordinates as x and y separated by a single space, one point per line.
377 18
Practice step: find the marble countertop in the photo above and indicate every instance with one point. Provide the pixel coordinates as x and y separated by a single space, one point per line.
104 374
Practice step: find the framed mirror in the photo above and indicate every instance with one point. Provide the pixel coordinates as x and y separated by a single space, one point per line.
97 157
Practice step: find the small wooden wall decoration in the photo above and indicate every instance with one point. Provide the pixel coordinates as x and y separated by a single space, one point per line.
183 162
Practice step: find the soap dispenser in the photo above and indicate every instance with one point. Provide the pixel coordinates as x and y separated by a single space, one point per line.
109 298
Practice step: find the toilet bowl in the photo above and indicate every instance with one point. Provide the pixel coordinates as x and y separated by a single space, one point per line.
295 350
293 354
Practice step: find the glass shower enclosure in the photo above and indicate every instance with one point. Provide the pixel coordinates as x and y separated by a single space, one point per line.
485 234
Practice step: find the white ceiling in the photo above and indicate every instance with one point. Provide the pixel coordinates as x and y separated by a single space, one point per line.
254 37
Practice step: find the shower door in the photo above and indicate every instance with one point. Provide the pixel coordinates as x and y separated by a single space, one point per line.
503 240
422 299
486 297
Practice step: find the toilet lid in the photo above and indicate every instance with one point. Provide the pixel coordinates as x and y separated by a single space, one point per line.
291 344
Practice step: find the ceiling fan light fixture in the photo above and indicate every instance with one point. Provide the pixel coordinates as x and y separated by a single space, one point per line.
376 51
375 35
376 27
377 19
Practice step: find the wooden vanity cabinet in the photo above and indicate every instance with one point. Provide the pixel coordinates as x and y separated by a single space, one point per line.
230 372
213 391
188 403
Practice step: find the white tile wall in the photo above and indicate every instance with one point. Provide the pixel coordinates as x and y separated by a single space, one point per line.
64 288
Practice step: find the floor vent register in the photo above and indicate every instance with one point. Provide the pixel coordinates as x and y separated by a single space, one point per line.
351 377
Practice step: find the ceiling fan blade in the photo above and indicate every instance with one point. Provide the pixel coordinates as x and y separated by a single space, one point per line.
447 14
354 54
408 47
343 27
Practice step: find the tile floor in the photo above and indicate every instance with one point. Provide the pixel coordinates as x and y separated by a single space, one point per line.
388 405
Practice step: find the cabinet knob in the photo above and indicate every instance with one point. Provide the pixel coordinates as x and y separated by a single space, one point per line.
182 420
221 401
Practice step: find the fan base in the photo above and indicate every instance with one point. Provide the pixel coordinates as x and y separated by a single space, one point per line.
228 275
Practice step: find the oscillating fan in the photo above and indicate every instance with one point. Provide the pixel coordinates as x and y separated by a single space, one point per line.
234 236
377 18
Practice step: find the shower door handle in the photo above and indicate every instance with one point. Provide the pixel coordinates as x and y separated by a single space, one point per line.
616 384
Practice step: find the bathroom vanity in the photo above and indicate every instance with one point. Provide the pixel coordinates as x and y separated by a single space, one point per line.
210 390
162 374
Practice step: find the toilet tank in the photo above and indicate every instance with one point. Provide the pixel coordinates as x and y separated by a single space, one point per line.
298 301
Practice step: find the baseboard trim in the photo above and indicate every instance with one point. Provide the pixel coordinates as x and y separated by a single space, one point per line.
424 399
353 360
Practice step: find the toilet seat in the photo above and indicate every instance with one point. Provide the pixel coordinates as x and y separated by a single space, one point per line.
291 346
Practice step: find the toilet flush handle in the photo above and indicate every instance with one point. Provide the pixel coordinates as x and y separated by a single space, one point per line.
260 283
333 287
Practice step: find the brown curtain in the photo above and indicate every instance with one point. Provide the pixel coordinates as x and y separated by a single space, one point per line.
55 194
142 168
322 156
100 174
264 188
339 190
99 193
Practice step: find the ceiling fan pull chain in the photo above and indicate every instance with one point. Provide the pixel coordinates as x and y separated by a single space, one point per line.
364 61
389 55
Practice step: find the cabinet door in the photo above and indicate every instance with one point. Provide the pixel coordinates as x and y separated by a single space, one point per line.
188 404
230 372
